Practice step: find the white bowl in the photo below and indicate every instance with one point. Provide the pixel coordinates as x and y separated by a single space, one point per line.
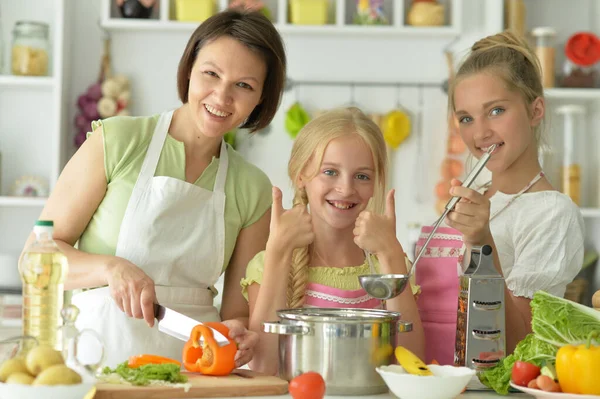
18 391
446 382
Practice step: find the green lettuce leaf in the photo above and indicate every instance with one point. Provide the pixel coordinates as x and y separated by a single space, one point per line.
560 322
144 374
531 349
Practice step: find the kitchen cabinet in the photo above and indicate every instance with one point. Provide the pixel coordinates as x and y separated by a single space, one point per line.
33 130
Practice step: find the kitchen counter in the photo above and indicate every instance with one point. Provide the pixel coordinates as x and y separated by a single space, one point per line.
467 395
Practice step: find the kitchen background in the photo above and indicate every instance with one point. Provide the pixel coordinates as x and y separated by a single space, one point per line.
397 66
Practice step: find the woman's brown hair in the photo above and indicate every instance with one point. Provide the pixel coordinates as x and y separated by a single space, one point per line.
254 30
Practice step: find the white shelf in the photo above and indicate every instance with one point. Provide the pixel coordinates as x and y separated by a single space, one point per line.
572 94
22 201
42 82
590 212
123 24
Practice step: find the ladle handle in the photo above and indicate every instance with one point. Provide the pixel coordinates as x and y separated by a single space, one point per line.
454 200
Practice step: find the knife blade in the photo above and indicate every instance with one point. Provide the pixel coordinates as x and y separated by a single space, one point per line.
180 326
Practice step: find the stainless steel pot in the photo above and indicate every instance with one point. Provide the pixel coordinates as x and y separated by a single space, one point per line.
343 345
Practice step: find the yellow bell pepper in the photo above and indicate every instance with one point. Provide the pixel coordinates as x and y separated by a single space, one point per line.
577 368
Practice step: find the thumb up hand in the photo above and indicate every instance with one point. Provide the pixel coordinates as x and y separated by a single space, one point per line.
290 228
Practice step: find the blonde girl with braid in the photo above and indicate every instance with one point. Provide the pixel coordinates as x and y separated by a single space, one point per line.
317 249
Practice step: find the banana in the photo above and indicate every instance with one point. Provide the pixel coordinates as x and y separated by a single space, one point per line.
411 363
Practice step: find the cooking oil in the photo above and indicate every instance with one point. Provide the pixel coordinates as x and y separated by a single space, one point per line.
43 268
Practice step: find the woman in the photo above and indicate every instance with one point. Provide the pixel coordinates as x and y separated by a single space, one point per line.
161 205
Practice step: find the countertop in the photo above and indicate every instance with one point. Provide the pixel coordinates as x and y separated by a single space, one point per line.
467 395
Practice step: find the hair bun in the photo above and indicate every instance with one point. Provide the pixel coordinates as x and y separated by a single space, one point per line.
502 39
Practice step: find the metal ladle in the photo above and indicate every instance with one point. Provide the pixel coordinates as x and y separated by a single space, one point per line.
386 286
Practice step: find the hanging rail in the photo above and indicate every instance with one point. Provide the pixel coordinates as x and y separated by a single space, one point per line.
291 83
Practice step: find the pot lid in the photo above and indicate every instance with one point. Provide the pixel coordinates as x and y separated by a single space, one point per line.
344 315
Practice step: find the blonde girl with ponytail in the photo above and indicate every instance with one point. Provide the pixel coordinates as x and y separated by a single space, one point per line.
317 249
535 231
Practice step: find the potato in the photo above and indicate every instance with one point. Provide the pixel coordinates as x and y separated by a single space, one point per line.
41 357
58 374
20 378
16 365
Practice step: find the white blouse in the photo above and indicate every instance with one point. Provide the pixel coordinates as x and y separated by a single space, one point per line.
539 238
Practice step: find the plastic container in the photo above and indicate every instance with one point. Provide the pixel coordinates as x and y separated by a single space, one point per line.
30 49
571 169
194 10
43 269
308 12
544 50
580 69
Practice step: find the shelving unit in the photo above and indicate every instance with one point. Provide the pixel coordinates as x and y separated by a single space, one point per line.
573 94
33 131
340 23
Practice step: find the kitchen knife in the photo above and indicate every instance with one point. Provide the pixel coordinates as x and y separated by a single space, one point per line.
180 326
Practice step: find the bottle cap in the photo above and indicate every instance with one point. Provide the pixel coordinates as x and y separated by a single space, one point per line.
583 49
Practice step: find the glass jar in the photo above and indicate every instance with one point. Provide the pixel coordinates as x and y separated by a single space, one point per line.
580 69
30 49
544 50
571 169
514 16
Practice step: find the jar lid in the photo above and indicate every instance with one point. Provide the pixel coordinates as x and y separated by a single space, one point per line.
31 27
543 31
583 49
328 315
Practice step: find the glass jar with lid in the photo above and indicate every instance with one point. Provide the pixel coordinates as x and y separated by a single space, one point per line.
30 49
580 69
544 50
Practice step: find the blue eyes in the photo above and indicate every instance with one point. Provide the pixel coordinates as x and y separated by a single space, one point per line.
493 112
360 176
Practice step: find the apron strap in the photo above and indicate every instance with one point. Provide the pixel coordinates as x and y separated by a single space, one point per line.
222 171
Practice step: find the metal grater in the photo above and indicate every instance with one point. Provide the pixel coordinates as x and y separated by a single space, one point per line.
480 327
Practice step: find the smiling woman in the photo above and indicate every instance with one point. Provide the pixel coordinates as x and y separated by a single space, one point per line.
160 206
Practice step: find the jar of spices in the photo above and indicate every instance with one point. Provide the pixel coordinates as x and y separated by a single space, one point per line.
30 49
544 50
580 68
571 169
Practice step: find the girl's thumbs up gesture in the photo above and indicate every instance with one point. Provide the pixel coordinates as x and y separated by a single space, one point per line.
290 228
377 233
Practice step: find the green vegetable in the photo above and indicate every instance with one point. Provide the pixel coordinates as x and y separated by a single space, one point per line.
562 322
530 350
295 119
549 370
142 375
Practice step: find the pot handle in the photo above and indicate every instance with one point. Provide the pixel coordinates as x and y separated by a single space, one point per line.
275 327
405 326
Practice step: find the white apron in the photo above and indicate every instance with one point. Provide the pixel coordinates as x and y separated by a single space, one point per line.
175 232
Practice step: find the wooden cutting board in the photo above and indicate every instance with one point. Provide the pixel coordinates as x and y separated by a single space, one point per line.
241 382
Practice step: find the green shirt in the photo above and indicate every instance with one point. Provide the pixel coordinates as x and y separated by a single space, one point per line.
344 278
126 141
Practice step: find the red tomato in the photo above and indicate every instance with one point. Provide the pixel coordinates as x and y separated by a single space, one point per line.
309 385
523 372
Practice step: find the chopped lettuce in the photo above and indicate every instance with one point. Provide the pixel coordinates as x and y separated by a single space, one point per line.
147 373
562 322
531 349
555 322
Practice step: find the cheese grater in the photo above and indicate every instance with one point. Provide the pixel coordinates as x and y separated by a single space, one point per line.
480 327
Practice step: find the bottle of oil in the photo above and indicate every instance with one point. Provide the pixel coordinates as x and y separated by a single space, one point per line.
43 268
